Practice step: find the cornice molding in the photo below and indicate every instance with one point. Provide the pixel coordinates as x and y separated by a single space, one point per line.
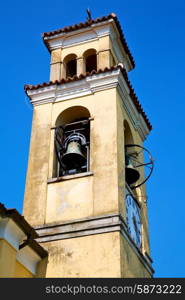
88 86
68 39
70 90
91 226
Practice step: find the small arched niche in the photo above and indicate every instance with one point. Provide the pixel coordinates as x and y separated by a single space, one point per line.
90 60
70 65
72 142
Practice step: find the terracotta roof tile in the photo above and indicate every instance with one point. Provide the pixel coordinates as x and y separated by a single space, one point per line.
89 23
69 79
135 100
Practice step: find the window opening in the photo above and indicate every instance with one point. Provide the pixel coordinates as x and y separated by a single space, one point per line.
71 68
72 147
91 63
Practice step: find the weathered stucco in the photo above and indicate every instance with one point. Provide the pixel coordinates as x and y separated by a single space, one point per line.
131 265
21 271
47 200
37 173
90 256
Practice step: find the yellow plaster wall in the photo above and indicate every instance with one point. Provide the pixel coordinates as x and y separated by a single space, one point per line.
90 256
37 173
41 268
131 266
70 200
7 259
101 196
104 153
21 271
120 156
11 268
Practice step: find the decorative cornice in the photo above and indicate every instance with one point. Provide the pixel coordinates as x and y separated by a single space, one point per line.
88 84
90 226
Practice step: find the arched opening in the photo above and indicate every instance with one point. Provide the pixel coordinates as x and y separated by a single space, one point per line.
72 114
131 173
70 65
133 211
90 60
72 142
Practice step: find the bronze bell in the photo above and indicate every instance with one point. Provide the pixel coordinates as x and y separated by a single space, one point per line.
131 174
73 158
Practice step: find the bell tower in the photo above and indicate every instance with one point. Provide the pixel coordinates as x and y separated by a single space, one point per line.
85 188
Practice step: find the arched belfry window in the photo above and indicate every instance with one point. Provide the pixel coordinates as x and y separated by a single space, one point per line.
70 65
129 170
72 142
90 60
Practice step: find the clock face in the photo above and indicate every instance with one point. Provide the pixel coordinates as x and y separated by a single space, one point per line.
133 219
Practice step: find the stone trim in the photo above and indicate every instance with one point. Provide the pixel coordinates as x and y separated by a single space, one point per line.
57 92
90 226
68 177
77 228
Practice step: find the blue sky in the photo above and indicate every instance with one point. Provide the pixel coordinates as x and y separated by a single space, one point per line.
155 32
